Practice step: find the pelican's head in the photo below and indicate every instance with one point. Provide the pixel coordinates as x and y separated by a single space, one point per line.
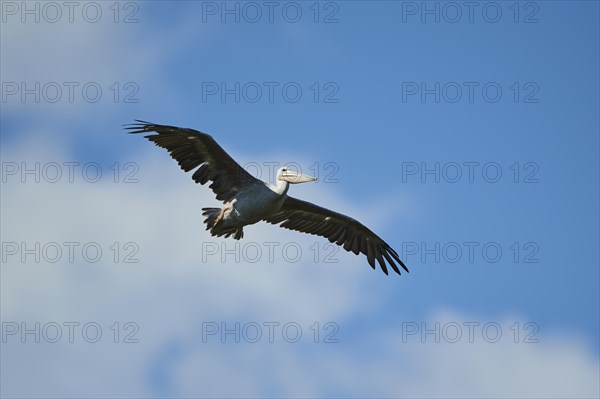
292 176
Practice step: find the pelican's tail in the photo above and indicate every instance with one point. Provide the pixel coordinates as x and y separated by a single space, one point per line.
218 229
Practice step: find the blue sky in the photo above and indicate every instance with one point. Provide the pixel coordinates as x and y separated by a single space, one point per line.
376 137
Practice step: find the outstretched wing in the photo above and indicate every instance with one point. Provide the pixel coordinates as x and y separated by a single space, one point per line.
191 148
343 230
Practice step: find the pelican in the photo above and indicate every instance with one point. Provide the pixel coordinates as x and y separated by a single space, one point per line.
248 200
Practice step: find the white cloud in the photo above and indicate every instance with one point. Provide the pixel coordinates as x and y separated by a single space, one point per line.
170 293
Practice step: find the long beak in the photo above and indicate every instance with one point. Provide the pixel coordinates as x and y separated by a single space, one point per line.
293 177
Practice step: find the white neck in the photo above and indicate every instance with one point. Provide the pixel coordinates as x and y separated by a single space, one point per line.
280 187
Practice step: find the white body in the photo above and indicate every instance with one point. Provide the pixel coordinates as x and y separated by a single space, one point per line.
252 204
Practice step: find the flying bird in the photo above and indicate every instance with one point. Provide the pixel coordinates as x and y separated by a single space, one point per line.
248 200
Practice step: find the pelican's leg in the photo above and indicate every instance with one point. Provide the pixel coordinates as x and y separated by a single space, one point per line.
220 217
